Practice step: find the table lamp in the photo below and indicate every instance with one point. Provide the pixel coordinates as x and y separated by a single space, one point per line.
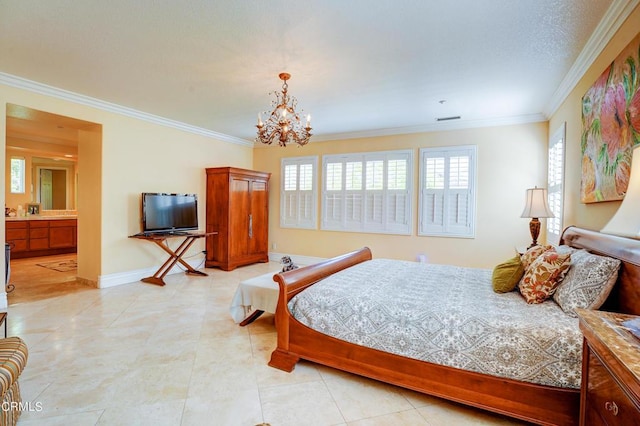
626 221
536 207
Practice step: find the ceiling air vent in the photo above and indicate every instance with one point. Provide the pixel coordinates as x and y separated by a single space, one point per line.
455 117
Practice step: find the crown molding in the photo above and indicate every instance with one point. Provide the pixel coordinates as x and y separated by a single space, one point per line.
617 13
43 89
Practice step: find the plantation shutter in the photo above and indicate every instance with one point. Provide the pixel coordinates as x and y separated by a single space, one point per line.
367 192
447 205
555 181
298 197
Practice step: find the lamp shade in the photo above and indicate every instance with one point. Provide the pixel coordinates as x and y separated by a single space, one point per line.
536 204
626 221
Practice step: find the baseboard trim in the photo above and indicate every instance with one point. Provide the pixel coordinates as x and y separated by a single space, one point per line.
128 277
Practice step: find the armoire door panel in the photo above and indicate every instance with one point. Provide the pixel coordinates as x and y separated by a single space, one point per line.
260 217
239 217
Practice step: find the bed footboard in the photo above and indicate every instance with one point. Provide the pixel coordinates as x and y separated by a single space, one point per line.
293 282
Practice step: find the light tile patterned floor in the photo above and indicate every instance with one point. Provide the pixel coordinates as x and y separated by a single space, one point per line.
139 354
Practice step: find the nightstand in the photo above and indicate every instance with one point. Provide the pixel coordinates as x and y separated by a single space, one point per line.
610 392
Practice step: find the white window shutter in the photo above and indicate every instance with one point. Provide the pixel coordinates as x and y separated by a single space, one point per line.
555 184
332 215
298 192
447 191
368 192
353 209
458 211
433 212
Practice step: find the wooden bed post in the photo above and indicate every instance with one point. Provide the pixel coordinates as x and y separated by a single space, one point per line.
281 358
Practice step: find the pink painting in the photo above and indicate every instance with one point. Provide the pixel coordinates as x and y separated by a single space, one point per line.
611 127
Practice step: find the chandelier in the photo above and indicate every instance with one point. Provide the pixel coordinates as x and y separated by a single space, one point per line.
283 124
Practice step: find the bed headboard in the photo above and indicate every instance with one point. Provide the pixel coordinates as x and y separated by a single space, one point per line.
625 296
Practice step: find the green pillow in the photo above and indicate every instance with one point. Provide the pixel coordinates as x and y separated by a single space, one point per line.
507 275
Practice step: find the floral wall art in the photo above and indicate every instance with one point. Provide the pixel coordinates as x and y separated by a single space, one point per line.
611 127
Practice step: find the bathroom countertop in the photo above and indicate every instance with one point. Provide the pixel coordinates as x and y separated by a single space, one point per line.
38 217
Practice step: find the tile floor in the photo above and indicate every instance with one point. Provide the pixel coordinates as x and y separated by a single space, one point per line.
139 354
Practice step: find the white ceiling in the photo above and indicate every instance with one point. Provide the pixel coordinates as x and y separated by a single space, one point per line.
359 67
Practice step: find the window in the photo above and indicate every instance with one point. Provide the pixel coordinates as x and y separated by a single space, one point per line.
17 175
555 179
368 192
447 191
299 193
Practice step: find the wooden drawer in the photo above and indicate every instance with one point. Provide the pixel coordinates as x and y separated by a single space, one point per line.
62 223
38 233
16 225
606 398
16 234
38 224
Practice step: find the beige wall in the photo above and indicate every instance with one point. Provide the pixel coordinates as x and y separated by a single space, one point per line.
593 215
126 157
510 160
152 158
90 229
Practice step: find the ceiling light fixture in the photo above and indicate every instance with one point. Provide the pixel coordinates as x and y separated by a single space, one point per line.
283 124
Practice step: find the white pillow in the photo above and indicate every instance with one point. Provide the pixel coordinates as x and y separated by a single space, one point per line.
588 282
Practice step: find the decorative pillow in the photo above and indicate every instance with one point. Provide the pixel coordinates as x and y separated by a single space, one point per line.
543 276
531 254
588 283
507 275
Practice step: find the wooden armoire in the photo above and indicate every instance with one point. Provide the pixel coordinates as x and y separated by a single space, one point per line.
238 210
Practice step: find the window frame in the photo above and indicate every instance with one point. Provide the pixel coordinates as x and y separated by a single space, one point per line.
22 177
446 229
358 201
555 191
299 222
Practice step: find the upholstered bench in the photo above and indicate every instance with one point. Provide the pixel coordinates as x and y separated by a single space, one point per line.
13 359
253 297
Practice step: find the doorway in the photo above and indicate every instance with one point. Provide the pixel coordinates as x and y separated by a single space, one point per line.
49 144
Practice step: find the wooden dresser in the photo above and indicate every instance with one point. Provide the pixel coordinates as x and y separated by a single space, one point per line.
238 211
610 393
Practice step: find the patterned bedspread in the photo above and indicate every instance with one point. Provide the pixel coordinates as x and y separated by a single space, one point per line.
446 315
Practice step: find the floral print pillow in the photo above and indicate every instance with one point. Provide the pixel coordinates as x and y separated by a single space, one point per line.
543 276
532 254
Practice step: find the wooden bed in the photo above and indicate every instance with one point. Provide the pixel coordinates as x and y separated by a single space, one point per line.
526 401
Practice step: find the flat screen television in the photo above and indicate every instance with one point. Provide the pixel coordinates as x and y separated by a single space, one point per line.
169 212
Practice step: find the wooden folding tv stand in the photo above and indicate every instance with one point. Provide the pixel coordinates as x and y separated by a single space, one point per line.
175 256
